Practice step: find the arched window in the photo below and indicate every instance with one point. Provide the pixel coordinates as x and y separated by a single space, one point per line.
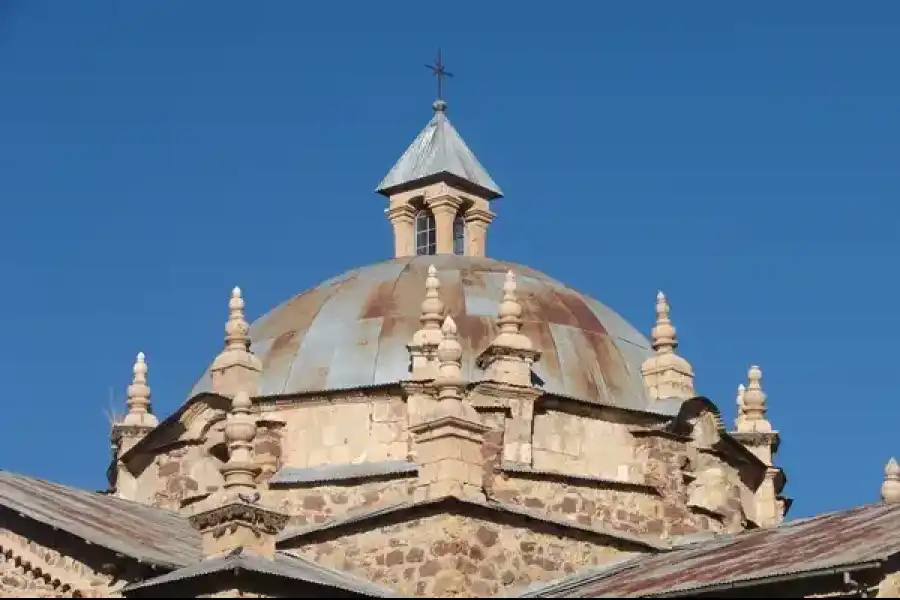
459 235
426 240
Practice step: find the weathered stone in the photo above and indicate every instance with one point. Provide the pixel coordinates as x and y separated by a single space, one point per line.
456 552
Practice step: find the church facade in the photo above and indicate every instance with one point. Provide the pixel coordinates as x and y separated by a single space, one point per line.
442 424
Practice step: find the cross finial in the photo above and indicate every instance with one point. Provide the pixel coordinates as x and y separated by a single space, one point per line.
440 72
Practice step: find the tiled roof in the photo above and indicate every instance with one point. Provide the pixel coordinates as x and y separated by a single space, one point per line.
142 532
854 537
283 565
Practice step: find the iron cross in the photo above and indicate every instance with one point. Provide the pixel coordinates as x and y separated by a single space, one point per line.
438 69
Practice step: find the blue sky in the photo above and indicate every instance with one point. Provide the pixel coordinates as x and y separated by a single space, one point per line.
740 158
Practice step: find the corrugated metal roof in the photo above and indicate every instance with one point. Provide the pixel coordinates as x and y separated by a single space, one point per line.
352 332
283 565
339 472
357 517
853 537
438 149
142 532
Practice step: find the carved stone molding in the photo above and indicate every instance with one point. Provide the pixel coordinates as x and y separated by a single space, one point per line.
52 569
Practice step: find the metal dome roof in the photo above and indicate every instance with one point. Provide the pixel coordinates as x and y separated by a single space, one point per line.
351 331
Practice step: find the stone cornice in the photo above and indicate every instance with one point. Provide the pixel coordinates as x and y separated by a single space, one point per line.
492 353
446 425
254 517
490 394
120 430
757 438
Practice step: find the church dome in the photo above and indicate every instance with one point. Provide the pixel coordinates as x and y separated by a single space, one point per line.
352 331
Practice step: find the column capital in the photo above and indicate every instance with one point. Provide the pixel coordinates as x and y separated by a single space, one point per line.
444 203
479 215
401 212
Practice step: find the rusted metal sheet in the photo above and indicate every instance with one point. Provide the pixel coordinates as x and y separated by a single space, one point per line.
857 536
353 332
141 532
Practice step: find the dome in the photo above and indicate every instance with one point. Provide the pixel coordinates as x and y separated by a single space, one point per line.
352 331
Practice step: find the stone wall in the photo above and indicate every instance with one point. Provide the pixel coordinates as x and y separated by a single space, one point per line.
343 430
670 466
319 502
180 473
450 555
581 445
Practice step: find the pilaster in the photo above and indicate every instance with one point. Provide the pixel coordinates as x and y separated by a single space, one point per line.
477 221
402 217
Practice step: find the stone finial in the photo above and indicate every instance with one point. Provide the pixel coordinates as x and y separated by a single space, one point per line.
432 309
139 413
754 398
236 368
666 374
664 336
237 330
240 429
449 354
890 489
509 358
510 318
425 341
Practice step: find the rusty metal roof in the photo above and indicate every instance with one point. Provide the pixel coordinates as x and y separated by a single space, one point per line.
841 539
438 150
351 332
142 532
283 565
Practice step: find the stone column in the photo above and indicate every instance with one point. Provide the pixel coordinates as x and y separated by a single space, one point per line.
402 219
477 221
444 207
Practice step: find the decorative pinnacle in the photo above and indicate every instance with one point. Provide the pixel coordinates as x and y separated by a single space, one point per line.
432 308
754 396
740 399
139 396
510 310
890 489
449 351
237 330
663 333
449 354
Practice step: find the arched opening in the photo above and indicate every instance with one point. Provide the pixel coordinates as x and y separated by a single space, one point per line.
459 235
426 233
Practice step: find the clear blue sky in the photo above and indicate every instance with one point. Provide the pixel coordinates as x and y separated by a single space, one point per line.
741 158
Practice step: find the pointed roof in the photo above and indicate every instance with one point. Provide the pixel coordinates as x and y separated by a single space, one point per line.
439 150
